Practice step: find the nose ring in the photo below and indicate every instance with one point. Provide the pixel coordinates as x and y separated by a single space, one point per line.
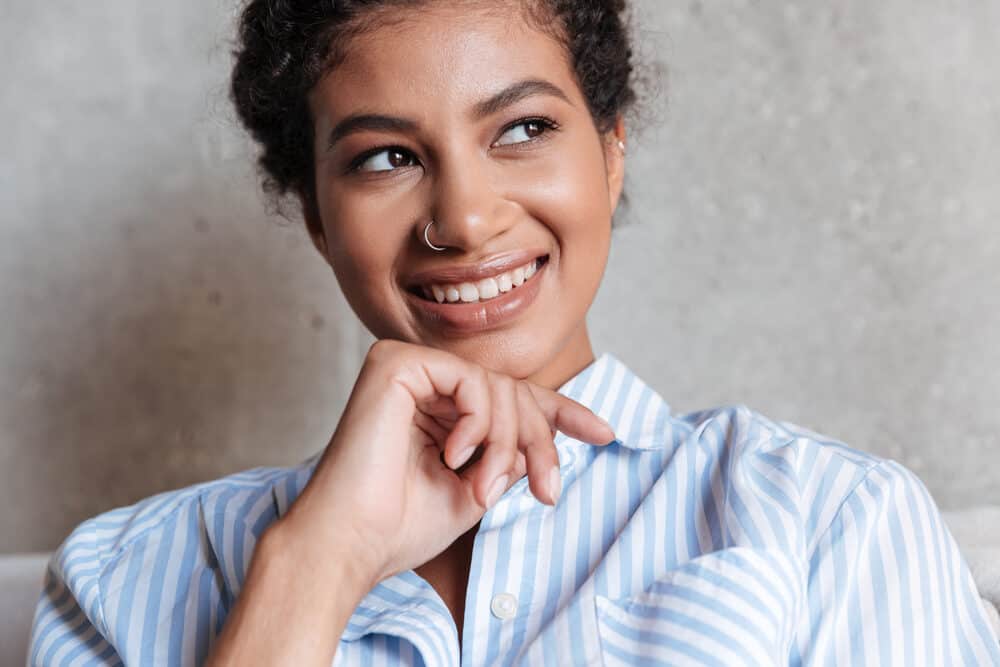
428 241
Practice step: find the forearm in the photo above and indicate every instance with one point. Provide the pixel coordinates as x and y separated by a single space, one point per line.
293 607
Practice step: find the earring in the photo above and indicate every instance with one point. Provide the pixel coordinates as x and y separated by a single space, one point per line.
621 145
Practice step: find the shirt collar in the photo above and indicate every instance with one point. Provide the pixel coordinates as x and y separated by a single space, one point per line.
638 415
641 421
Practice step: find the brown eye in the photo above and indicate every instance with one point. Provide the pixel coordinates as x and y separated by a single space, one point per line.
385 159
398 159
527 130
533 128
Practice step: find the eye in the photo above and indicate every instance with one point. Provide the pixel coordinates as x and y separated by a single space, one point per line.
385 158
527 129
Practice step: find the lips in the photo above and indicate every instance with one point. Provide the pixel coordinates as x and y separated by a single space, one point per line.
461 318
455 274
482 290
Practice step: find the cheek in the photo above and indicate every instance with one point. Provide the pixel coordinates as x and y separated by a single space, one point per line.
366 236
361 273
355 270
569 193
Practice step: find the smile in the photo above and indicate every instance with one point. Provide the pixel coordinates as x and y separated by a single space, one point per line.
485 289
475 309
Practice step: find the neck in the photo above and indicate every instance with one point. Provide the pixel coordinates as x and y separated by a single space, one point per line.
572 358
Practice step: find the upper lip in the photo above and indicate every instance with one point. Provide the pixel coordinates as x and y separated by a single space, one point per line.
486 268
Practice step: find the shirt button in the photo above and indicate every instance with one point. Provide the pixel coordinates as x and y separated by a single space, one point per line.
504 606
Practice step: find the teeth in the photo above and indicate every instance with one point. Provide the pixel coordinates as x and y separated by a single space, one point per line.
484 289
469 292
487 288
518 276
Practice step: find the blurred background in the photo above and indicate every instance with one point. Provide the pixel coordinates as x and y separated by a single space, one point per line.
815 233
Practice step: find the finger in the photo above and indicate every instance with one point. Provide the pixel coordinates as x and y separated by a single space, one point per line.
434 430
473 419
572 418
438 374
500 444
441 408
541 457
453 494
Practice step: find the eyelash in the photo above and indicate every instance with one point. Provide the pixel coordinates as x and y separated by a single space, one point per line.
547 123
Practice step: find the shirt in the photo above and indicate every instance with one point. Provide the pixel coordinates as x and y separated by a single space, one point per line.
716 537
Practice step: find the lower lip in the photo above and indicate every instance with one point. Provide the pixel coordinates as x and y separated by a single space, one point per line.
476 316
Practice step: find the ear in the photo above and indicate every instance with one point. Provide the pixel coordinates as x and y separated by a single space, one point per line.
614 161
314 225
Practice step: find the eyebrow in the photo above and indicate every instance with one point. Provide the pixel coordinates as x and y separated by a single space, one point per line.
491 105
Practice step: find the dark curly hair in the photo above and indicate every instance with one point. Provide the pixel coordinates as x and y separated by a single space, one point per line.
284 47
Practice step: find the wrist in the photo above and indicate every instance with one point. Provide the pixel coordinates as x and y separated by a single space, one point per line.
333 564
294 604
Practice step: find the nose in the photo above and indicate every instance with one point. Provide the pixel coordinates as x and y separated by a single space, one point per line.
466 208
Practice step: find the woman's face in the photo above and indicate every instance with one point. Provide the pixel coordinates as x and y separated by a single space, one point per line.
412 127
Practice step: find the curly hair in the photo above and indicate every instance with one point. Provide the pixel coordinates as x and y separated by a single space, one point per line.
284 47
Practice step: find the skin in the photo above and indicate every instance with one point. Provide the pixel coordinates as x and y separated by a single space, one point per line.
492 186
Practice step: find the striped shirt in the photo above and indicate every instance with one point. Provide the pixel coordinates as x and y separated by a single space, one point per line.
717 537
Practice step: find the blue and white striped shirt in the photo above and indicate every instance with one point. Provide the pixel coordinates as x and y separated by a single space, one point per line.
716 537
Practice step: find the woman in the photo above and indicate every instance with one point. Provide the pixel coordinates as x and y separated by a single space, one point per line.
458 165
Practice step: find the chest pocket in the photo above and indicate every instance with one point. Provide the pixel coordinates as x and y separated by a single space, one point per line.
731 607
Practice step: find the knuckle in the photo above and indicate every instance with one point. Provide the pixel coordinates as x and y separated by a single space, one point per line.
510 385
507 381
546 431
536 435
389 359
524 388
505 387
382 350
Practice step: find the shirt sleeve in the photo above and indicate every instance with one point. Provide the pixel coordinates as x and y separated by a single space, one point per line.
69 627
139 585
888 586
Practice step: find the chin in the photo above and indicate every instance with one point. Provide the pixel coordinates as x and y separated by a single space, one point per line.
519 356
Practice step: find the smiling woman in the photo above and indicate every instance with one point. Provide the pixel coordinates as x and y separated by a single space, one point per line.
480 125
494 491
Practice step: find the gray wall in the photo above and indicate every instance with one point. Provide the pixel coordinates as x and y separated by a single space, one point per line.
816 234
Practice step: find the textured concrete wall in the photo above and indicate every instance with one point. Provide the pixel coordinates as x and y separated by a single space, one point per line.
816 233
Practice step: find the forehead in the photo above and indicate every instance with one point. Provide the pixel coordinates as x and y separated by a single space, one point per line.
442 55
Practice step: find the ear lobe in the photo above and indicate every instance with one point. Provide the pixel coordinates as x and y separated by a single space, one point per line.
313 224
615 161
319 240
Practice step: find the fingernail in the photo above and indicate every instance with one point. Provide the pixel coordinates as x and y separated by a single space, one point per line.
555 484
610 429
463 457
499 486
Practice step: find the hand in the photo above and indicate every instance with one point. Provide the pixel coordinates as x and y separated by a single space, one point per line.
381 494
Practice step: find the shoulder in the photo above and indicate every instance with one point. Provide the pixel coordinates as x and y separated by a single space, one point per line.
745 432
141 584
150 554
779 468
111 534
